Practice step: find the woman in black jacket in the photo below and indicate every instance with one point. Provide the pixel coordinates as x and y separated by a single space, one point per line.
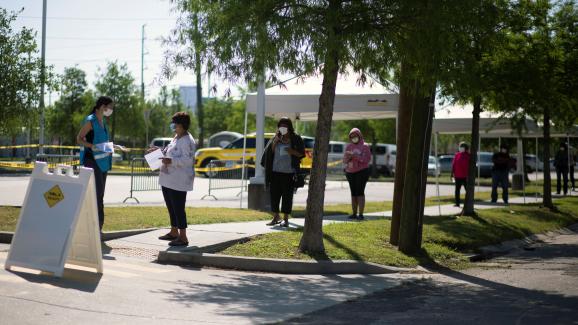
281 160
561 163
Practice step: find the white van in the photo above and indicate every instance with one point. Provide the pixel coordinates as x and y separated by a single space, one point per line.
385 158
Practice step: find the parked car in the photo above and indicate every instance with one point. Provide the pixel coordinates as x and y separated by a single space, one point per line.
234 151
445 162
385 158
223 139
160 142
433 168
533 163
485 164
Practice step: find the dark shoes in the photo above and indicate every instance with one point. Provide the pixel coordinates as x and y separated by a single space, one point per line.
352 217
168 237
360 217
274 222
285 224
178 242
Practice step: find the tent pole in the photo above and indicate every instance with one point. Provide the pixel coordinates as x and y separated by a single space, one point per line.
243 165
568 154
437 174
536 169
523 171
478 160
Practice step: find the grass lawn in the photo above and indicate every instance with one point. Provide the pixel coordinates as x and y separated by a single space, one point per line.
122 218
444 239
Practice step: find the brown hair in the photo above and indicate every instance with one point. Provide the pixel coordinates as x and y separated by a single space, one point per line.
183 119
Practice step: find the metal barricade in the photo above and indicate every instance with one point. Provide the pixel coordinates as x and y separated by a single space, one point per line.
142 178
54 161
225 174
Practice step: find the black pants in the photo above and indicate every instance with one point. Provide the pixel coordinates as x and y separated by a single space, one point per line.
357 182
100 182
459 183
562 172
282 187
175 201
500 178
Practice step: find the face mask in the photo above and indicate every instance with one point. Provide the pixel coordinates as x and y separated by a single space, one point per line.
107 112
173 127
283 130
462 149
504 150
355 140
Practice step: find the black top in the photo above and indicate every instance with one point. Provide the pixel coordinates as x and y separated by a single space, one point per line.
87 151
501 161
561 159
268 156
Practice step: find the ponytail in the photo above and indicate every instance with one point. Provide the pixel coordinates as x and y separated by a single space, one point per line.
102 100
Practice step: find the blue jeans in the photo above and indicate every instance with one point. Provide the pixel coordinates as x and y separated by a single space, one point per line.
500 178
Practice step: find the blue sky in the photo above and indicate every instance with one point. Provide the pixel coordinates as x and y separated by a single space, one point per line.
89 33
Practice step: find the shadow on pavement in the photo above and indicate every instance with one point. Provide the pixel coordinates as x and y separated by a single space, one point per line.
266 297
86 281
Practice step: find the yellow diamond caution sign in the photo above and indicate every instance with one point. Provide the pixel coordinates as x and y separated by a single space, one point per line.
53 196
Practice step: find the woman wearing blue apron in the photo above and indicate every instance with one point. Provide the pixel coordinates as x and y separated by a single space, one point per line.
92 137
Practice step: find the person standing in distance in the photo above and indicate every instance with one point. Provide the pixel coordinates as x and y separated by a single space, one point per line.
561 163
176 177
500 172
281 160
94 132
356 161
460 168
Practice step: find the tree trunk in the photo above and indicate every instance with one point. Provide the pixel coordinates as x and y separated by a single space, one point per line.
426 161
547 199
415 172
473 170
312 239
403 125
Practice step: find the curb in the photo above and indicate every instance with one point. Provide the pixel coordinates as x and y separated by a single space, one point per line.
281 266
6 237
489 252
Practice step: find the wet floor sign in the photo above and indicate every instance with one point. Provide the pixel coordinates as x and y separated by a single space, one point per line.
58 222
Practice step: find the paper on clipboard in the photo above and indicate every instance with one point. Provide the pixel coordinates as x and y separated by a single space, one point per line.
154 159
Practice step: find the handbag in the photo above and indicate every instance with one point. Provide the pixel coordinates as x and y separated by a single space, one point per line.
299 180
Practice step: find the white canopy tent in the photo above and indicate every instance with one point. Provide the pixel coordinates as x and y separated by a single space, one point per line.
298 99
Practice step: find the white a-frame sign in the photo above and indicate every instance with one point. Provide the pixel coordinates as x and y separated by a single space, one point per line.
58 223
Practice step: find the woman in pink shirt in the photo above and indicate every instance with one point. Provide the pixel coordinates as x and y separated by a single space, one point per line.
460 168
356 161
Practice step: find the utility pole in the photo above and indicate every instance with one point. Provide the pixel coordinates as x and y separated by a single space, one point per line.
142 86
42 78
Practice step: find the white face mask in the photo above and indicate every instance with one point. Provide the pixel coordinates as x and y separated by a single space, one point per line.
355 140
107 112
283 130
504 150
462 149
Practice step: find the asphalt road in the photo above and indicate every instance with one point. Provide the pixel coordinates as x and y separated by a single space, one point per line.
536 285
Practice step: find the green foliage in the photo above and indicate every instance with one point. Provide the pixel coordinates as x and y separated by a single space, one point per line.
19 75
128 121
536 66
75 102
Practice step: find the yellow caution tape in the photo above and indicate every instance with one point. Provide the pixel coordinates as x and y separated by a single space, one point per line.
20 146
50 146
